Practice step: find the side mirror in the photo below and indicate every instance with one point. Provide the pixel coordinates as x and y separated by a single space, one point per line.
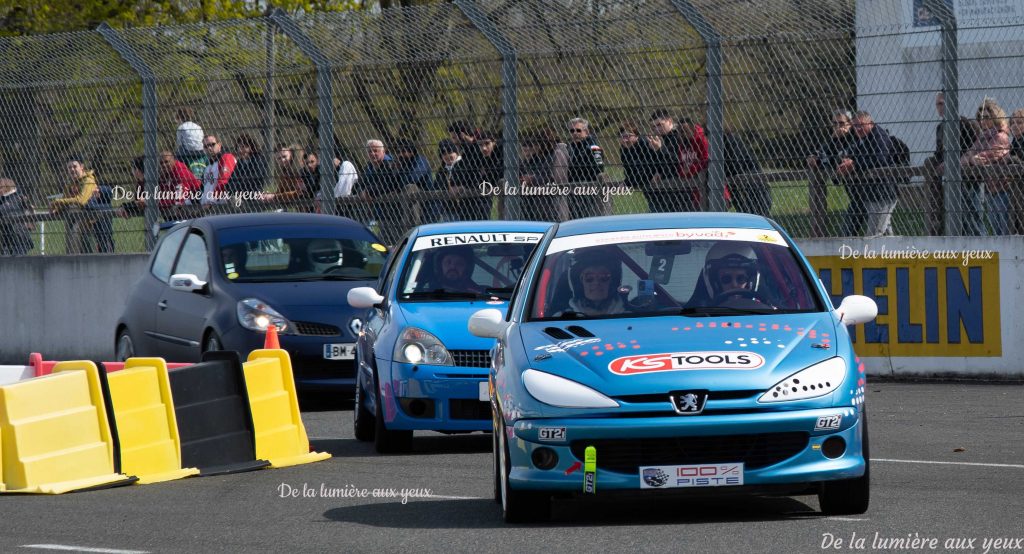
856 309
364 297
488 323
186 282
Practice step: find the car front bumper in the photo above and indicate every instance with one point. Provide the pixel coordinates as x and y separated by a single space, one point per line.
453 395
653 439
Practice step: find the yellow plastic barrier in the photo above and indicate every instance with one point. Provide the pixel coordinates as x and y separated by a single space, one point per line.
56 434
280 435
147 430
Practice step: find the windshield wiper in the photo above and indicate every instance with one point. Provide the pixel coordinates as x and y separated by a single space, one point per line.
333 278
722 310
442 293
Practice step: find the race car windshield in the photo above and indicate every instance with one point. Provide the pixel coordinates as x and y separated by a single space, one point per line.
694 273
301 258
440 268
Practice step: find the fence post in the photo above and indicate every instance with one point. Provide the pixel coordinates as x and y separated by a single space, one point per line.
149 147
325 102
509 98
269 119
952 184
716 114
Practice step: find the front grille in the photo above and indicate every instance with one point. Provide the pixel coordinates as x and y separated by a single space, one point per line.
472 358
469 409
755 451
316 329
664 397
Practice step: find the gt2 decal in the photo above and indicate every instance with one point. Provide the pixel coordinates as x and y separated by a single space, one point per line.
551 434
683 361
829 422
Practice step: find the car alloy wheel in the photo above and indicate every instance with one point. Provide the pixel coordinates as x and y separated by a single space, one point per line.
362 420
125 348
519 506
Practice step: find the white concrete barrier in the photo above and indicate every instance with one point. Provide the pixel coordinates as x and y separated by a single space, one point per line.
15 373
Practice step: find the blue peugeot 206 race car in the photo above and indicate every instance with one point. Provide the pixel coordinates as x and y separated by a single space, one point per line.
694 352
418 366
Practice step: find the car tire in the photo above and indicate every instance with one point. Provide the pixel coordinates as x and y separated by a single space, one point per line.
496 457
384 440
518 506
363 422
849 496
124 348
212 342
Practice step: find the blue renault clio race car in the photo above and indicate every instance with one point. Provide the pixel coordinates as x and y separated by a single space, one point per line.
686 354
417 365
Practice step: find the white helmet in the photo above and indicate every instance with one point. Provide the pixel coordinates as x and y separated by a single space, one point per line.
730 253
323 254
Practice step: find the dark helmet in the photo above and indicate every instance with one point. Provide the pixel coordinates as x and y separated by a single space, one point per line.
591 257
730 254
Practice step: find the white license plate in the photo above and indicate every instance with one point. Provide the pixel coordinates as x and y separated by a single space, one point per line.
699 475
485 392
344 351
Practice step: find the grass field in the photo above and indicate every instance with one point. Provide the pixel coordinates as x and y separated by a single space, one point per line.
790 208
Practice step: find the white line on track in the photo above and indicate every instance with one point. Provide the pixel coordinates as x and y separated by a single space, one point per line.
1015 466
848 518
82 549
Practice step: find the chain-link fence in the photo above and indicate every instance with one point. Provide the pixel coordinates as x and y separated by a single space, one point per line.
821 115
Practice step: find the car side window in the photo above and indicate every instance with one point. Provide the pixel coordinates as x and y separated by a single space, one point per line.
193 258
165 254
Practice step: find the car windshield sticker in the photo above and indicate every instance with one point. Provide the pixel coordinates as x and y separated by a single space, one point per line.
565 345
438 241
562 244
683 361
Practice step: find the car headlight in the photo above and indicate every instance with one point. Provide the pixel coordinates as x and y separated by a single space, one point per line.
563 393
416 346
255 315
817 380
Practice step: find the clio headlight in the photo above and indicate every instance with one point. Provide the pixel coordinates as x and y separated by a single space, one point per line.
416 346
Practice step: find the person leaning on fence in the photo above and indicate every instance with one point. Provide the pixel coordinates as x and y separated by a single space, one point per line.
291 188
872 150
217 173
459 181
250 174
377 182
463 135
683 150
412 168
991 149
348 175
586 166
492 159
1017 183
933 168
80 188
15 237
751 194
101 211
637 157
176 186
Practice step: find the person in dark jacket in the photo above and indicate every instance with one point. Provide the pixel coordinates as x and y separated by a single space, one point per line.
377 181
750 194
14 233
933 168
492 159
459 181
872 150
250 174
586 164
638 158
412 168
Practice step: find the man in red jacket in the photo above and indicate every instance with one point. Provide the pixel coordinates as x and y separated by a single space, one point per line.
682 152
177 186
217 173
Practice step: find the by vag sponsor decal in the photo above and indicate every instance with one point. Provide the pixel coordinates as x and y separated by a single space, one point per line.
439 241
683 361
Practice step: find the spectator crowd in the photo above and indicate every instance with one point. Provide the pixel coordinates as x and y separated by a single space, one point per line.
666 159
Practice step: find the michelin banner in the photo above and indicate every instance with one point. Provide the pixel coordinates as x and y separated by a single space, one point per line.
943 303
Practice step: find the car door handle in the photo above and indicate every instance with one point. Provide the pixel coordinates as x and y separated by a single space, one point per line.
162 304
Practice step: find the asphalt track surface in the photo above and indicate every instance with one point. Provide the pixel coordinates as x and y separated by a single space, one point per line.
948 465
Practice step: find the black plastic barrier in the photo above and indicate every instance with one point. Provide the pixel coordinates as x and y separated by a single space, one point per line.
214 421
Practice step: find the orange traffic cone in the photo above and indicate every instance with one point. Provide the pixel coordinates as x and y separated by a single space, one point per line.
271 340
